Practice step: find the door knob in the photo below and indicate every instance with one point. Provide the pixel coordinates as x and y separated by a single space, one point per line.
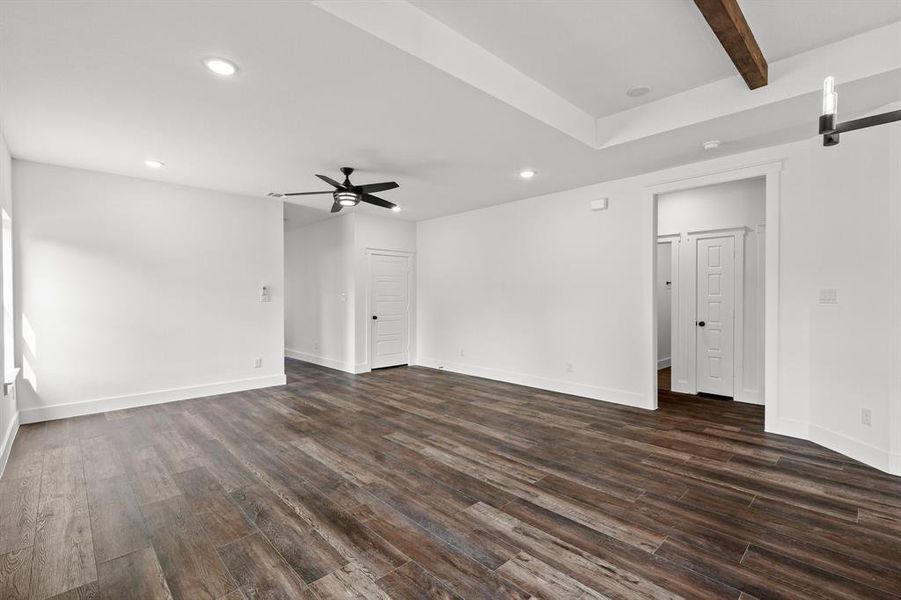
374 317
701 323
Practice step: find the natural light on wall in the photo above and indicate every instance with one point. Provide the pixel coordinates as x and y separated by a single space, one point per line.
28 352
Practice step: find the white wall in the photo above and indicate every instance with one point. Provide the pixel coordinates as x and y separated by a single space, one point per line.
525 288
9 413
542 292
727 205
327 275
319 297
132 292
730 204
853 197
664 304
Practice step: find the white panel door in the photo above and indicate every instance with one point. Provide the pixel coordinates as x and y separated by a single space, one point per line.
390 308
716 315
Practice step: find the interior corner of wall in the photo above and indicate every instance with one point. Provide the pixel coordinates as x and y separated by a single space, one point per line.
789 427
874 456
894 464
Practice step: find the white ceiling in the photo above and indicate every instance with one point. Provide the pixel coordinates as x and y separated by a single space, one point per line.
590 53
105 86
784 28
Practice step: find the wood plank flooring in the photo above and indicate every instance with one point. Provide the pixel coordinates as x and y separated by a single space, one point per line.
665 379
418 483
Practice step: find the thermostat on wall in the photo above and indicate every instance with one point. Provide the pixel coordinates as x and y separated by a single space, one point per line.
599 204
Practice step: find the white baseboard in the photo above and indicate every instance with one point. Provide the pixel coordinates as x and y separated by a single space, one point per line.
789 427
9 437
663 363
839 442
347 367
860 451
89 407
747 400
593 392
749 397
682 389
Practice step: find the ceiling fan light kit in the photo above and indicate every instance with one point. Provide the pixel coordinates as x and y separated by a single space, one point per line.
347 198
830 130
348 194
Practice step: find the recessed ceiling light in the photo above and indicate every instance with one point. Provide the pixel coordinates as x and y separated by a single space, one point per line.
636 91
154 164
395 208
527 174
220 66
711 145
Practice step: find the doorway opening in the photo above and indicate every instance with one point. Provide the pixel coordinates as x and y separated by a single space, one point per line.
710 283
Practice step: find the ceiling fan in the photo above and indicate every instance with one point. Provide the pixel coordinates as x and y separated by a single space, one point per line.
347 194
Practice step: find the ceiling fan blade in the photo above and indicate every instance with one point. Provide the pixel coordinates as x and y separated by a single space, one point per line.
336 207
331 181
307 193
371 188
377 201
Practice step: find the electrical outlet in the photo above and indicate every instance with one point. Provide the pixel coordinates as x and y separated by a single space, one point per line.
569 367
257 363
865 417
462 352
316 345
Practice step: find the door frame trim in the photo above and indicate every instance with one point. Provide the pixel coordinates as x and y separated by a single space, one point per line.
675 242
411 302
772 172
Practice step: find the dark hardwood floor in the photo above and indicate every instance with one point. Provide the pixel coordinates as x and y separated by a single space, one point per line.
416 483
664 379
665 384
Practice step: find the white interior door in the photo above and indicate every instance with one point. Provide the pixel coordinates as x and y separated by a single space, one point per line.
390 308
716 315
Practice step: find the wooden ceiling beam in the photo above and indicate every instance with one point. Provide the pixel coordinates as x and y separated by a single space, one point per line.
728 23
